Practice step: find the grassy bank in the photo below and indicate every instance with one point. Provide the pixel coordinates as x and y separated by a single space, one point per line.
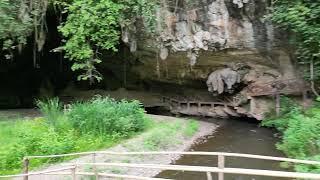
300 131
93 125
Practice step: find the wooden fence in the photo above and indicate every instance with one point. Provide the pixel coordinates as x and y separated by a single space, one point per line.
220 170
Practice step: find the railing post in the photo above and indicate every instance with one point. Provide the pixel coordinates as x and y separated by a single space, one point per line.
278 106
221 164
94 166
209 176
26 168
73 173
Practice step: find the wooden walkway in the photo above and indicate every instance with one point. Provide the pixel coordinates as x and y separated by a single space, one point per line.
198 104
73 170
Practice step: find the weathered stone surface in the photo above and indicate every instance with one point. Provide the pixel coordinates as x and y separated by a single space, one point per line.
218 45
222 80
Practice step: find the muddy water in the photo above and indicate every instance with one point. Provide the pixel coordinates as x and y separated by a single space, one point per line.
235 136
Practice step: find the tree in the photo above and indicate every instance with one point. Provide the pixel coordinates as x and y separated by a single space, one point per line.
302 18
18 20
94 25
91 27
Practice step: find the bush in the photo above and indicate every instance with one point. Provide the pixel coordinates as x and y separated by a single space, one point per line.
105 116
91 125
300 135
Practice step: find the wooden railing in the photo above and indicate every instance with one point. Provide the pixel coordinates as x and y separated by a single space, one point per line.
220 170
198 104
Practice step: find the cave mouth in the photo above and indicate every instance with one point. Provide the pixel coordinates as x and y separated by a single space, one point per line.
158 110
24 78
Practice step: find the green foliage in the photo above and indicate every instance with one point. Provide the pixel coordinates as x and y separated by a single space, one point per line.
18 20
51 109
94 26
105 116
191 128
165 135
302 18
97 28
301 135
91 125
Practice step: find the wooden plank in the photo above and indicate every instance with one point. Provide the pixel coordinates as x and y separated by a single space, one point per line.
252 156
278 107
209 176
25 168
40 172
73 173
206 169
109 175
221 164
95 167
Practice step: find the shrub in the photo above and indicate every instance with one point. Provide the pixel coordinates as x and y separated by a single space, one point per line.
300 135
105 116
88 126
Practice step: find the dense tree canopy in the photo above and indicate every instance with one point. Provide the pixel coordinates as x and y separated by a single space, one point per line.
95 25
302 18
91 26
18 20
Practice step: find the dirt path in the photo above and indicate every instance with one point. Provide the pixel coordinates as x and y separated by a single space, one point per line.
181 143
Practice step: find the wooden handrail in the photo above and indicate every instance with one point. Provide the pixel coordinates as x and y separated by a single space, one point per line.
251 156
210 169
39 173
176 101
221 169
109 175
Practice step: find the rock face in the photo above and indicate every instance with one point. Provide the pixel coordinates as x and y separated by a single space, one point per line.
219 46
213 25
222 80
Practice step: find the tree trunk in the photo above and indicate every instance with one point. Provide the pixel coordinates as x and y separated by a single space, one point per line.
312 78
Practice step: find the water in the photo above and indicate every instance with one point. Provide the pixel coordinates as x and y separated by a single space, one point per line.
234 136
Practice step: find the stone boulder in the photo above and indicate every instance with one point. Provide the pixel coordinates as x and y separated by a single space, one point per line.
223 80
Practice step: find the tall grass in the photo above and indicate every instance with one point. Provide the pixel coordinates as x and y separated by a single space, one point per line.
90 125
51 109
105 116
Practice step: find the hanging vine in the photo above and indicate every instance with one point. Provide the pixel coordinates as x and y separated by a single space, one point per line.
19 19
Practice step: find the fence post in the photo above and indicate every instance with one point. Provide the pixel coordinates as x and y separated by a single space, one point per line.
26 168
209 176
73 173
221 164
94 166
278 102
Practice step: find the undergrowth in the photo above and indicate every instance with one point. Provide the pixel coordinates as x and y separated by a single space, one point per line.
92 125
101 122
300 133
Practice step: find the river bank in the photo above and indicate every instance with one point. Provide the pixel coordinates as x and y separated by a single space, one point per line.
177 135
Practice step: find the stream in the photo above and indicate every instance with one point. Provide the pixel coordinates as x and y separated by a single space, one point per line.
236 136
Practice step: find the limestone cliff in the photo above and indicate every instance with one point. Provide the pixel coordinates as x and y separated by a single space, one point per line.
224 44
